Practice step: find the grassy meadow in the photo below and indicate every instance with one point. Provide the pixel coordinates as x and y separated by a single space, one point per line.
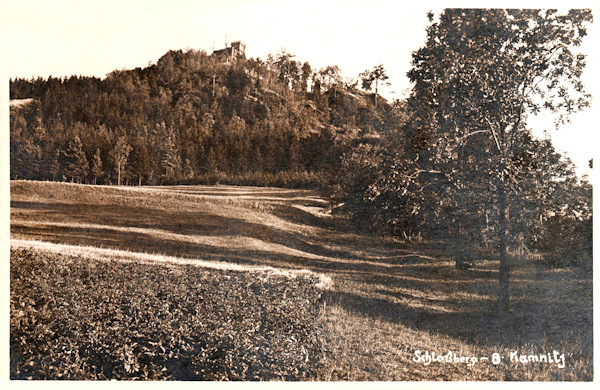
249 283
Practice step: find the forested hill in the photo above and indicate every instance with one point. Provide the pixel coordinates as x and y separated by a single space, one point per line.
194 117
430 166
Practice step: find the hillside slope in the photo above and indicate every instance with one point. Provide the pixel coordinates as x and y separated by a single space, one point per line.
388 299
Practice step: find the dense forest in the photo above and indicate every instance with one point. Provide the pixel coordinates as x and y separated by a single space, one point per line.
193 117
444 164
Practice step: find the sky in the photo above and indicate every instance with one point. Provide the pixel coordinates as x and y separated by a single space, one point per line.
80 37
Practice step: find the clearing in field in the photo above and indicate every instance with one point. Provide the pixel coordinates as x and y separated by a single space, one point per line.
186 282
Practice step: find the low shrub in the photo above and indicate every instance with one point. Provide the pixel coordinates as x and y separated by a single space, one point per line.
79 318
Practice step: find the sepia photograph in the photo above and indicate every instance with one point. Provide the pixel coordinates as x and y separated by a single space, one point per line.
314 191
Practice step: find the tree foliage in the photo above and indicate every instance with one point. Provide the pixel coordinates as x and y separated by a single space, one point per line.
78 164
465 168
191 116
96 170
376 75
119 155
478 77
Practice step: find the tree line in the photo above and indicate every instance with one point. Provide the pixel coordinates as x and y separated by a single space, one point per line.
189 116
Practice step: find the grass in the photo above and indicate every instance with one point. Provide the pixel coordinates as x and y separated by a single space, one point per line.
386 298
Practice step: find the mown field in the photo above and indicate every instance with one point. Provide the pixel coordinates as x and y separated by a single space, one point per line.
174 283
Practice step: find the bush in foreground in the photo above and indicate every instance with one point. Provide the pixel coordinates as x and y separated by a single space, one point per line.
79 318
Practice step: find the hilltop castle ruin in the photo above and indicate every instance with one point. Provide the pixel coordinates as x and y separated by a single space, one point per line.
231 52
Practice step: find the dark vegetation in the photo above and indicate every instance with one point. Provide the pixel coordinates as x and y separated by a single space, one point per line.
74 317
194 118
465 169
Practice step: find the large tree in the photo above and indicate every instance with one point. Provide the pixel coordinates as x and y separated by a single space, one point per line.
119 155
78 165
97 170
140 159
478 76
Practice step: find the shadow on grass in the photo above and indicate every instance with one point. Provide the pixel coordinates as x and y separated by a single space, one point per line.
467 325
399 283
198 223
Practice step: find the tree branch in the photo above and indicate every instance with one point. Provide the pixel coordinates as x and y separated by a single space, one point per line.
544 75
473 133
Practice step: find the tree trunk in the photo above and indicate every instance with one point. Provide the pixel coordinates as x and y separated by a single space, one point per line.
376 88
504 269
140 180
118 174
